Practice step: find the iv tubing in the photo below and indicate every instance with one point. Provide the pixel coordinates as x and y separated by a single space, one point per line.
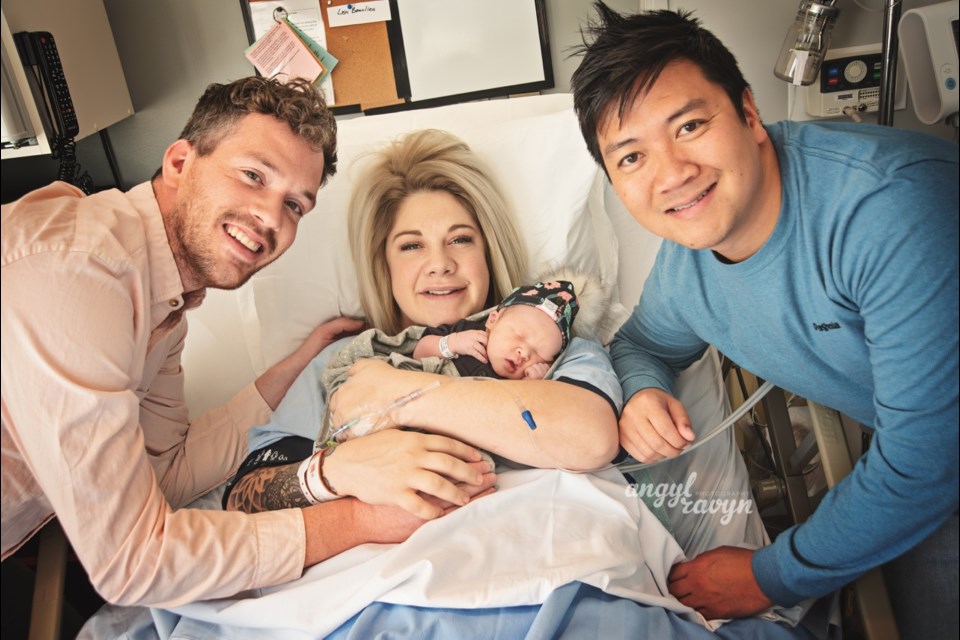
396 404
748 404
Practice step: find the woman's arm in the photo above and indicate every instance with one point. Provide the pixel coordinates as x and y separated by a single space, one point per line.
576 429
409 470
267 489
267 479
576 426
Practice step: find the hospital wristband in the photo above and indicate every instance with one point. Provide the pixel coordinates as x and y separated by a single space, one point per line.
313 485
445 349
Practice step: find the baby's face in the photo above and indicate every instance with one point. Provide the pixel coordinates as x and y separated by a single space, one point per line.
520 337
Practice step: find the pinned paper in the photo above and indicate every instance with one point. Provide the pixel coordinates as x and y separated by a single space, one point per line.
343 15
304 14
326 58
304 18
280 53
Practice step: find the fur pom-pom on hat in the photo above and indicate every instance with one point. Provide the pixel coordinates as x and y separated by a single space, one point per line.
600 313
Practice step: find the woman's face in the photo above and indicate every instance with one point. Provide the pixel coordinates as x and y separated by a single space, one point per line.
437 259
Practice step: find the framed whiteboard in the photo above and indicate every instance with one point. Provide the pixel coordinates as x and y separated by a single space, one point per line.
456 50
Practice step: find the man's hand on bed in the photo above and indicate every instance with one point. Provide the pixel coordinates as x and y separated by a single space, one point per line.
330 331
719 584
408 470
654 425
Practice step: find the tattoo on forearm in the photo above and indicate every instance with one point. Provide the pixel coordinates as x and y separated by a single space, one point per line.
267 490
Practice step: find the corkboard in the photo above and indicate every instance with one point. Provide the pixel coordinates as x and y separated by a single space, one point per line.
367 79
364 73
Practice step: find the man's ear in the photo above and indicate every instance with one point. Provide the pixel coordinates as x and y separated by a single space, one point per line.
174 162
492 318
752 115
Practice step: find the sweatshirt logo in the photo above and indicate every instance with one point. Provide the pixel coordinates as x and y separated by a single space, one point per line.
826 326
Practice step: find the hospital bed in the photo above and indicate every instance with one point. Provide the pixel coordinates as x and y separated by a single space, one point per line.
567 214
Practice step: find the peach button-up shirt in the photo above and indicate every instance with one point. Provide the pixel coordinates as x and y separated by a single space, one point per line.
95 429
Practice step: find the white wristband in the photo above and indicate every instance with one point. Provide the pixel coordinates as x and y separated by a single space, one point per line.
445 349
311 482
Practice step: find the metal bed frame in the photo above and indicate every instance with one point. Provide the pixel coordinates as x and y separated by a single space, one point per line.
867 595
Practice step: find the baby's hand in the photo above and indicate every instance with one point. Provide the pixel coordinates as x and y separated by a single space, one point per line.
536 371
469 343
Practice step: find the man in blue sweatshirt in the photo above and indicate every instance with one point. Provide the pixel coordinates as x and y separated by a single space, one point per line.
820 257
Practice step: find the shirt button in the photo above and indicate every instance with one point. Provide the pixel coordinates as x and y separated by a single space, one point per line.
174 302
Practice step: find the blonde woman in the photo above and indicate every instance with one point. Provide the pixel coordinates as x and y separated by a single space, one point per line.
432 241
436 166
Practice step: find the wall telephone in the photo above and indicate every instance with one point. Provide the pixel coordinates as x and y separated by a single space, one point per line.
38 49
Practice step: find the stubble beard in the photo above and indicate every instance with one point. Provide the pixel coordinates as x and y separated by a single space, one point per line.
198 262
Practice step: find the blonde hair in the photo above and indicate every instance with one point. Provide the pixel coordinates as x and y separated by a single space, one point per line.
423 161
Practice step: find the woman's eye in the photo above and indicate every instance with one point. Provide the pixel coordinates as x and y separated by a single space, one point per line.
462 240
252 175
409 246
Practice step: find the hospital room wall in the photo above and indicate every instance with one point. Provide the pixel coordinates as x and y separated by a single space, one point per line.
754 31
171 49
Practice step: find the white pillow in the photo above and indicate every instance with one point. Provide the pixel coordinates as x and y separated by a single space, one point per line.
638 248
534 149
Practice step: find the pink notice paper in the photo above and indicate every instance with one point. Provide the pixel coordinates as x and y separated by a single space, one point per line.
281 54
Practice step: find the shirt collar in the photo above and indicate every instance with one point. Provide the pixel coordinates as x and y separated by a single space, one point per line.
166 288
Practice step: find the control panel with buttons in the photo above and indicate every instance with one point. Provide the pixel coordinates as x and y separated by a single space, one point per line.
849 83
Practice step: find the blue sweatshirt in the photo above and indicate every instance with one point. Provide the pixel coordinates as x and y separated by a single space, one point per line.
852 303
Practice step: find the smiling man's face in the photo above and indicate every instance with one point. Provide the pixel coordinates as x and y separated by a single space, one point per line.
689 169
238 207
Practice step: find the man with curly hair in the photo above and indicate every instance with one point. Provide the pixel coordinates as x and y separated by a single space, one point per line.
95 429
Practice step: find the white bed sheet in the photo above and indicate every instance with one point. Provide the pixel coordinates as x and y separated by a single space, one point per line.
542 529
